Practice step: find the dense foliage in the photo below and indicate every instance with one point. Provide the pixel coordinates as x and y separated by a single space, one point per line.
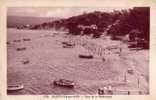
137 18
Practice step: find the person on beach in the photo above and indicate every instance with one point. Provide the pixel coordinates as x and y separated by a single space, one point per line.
103 59
120 50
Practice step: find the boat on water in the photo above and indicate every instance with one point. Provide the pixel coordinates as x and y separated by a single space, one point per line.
64 83
105 90
86 56
67 45
15 87
20 49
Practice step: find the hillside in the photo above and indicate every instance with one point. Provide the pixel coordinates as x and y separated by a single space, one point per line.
136 18
133 22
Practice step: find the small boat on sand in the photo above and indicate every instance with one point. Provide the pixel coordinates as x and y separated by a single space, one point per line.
15 87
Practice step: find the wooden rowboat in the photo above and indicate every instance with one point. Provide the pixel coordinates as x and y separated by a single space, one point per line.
64 83
15 87
20 49
86 56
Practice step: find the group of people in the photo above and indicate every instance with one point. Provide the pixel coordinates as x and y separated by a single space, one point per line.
93 47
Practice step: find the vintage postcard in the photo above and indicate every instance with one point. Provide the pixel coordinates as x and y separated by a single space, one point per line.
77 49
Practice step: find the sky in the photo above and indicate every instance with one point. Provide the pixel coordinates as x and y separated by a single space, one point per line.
61 12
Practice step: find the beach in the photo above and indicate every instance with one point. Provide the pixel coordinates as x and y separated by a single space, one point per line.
49 61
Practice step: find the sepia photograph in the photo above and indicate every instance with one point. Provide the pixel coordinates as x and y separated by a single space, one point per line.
78 50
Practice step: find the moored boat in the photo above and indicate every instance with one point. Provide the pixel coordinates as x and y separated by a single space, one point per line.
86 56
15 87
64 83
